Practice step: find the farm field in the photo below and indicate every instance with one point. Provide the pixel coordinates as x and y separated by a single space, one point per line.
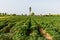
30 27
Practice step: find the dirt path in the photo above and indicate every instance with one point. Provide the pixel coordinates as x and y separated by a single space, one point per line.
45 34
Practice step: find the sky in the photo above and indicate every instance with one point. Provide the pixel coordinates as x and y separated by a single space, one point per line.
22 6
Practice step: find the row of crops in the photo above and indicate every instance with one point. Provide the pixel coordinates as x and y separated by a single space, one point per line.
27 27
50 24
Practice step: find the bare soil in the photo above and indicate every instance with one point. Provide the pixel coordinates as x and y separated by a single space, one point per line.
45 34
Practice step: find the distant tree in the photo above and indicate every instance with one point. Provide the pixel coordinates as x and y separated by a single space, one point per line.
30 9
40 14
22 14
49 13
0 14
5 13
33 13
25 14
13 14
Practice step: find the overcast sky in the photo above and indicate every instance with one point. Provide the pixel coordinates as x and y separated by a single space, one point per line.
22 6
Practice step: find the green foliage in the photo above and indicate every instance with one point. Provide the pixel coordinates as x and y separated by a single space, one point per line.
27 27
33 14
13 14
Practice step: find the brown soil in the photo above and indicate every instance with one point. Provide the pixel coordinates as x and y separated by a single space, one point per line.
45 34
